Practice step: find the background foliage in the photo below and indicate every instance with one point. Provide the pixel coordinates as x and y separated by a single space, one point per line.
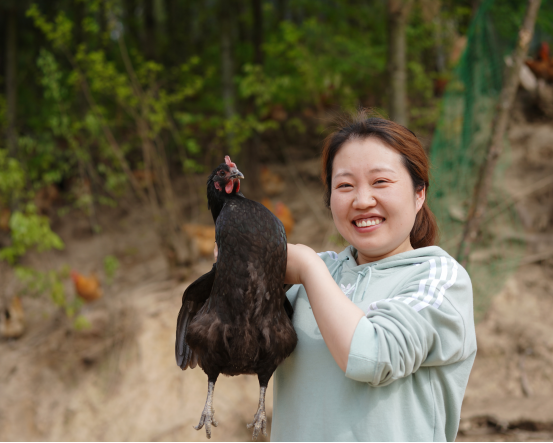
119 98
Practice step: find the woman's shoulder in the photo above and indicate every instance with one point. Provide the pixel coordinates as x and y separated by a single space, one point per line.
435 263
328 256
333 259
442 260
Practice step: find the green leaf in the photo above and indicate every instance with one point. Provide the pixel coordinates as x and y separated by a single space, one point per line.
111 265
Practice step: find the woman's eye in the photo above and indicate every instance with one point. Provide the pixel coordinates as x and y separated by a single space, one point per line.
343 185
380 181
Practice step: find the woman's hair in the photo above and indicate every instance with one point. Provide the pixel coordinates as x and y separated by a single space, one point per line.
402 140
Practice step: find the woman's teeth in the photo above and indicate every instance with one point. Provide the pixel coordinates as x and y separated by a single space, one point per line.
365 223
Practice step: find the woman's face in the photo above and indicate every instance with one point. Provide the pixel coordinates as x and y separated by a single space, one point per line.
373 202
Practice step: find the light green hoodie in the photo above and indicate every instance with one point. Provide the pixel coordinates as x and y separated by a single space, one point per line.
409 360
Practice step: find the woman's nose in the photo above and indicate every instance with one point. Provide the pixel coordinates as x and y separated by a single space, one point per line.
364 199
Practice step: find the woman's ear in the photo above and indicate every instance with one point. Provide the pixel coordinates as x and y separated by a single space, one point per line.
420 197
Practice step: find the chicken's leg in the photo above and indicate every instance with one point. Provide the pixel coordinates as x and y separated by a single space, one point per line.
208 414
259 422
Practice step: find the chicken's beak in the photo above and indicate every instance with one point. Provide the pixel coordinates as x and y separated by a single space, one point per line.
235 173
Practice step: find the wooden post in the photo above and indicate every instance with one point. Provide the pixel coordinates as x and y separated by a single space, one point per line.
507 97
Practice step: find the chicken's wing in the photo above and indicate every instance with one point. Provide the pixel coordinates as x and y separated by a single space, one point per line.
193 299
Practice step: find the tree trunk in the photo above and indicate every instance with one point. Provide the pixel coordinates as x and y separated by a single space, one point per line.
501 120
227 67
131 26
250 155
103 24
176 36
282 10
11 79
80 13
257 32
398 14
149 30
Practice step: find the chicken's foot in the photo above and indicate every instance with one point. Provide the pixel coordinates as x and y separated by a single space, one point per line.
259 422
208 414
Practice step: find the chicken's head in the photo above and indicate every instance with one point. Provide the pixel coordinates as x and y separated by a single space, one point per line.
226 177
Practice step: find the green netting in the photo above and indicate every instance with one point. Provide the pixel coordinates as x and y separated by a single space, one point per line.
460 143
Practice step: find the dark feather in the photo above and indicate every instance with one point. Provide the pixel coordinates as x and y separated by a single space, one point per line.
194 297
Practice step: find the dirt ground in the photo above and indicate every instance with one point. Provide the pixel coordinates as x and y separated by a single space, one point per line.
118 379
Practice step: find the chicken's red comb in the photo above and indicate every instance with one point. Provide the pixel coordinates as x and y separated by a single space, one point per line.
229 163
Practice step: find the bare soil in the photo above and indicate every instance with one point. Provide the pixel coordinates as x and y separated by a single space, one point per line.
118 380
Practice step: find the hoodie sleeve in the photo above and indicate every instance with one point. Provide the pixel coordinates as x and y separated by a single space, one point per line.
427 322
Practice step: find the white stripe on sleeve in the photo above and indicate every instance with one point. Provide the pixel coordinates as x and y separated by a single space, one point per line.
432 289
434 282
450 283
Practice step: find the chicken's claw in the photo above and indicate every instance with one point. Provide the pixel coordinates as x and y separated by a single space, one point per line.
259 422
208 418
208 414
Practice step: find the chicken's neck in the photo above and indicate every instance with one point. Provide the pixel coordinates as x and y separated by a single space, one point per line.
217 199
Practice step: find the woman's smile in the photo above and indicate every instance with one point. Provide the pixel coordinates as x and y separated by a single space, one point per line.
363 223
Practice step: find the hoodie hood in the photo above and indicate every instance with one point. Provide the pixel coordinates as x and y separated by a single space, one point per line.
416 256
355 279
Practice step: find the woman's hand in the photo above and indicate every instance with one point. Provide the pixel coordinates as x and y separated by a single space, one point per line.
300 259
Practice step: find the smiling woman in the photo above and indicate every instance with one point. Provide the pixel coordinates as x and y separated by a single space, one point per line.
385 328
399 152
373 202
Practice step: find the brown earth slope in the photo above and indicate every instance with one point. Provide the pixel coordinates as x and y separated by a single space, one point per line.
510 392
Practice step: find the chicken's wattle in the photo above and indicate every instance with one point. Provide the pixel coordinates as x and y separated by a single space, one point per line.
229 186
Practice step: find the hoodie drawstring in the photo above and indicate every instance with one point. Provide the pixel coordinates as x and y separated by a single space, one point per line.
359 276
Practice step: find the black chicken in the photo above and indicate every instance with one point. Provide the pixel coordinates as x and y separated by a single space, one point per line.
236 319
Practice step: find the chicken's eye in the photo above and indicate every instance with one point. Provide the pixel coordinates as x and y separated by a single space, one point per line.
221 173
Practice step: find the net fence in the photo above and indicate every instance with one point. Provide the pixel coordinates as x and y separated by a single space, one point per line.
460 142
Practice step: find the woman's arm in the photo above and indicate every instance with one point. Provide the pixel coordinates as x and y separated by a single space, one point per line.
336 316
